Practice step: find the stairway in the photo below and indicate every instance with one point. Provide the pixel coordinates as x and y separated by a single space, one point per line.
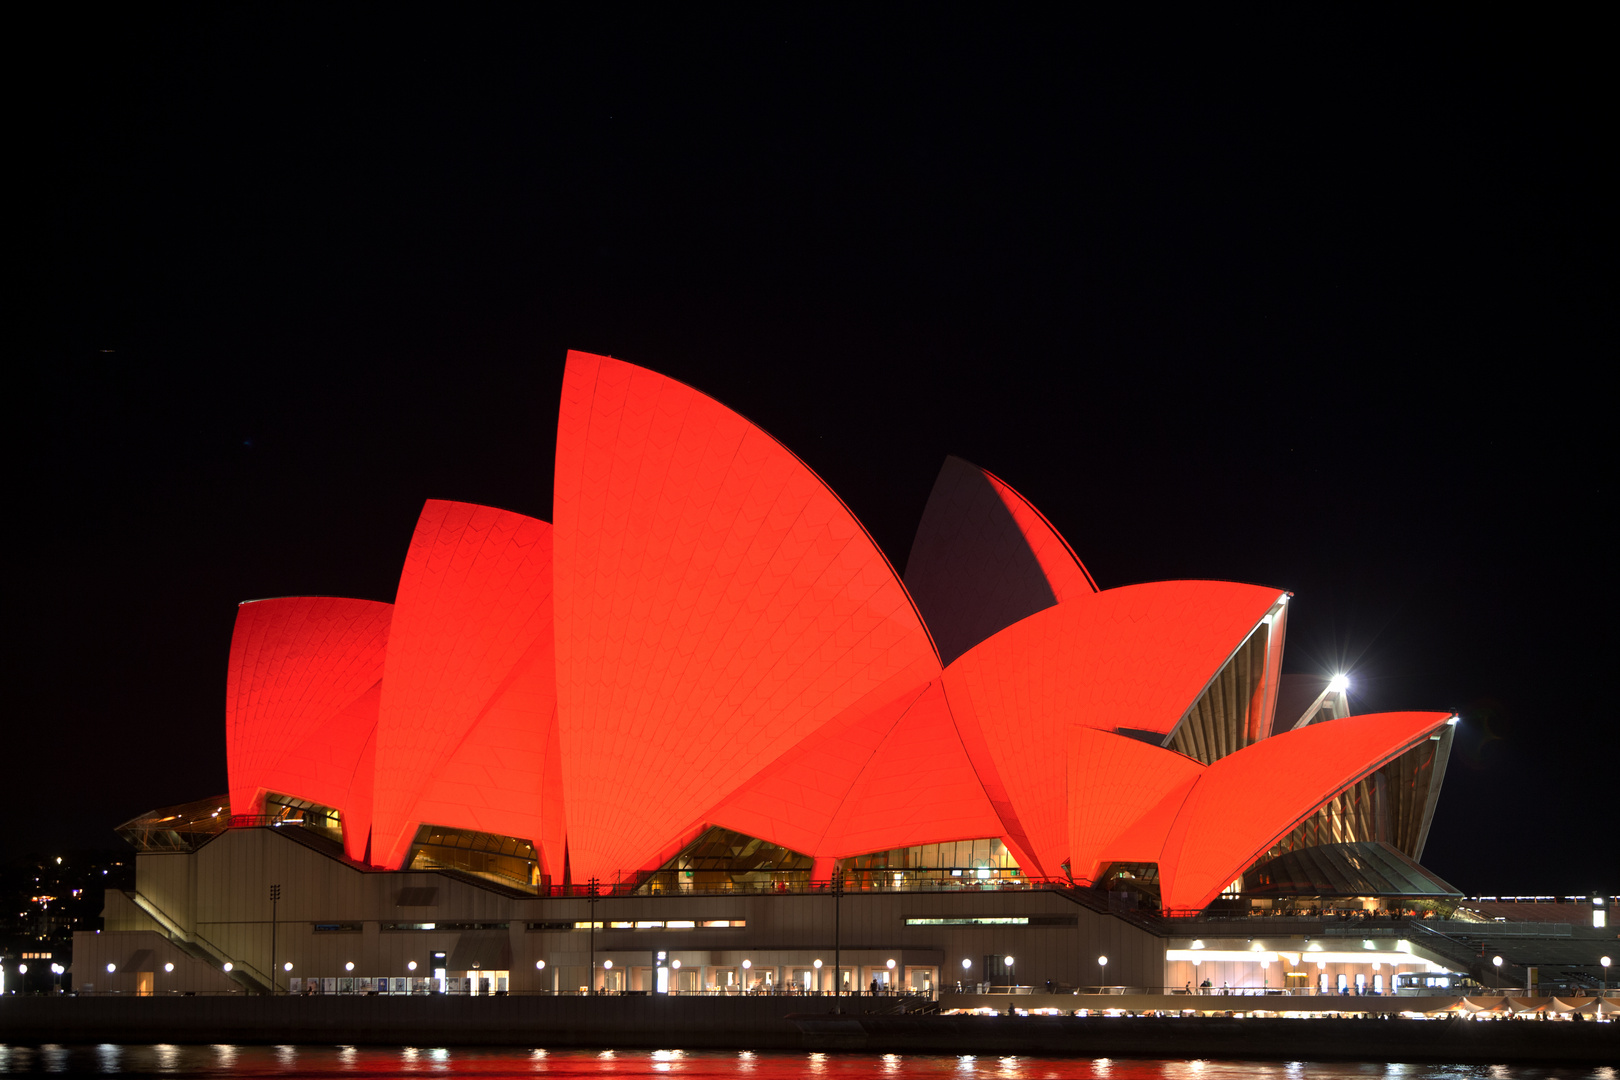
198 947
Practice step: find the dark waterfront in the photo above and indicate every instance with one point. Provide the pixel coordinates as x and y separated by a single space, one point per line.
360 1061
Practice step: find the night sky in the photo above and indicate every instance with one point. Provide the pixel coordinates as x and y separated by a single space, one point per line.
1323 305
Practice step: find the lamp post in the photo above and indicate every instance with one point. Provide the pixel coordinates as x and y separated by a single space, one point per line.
1102 971
838 896
1496 961
275 901
1007 961
1605 962
590 900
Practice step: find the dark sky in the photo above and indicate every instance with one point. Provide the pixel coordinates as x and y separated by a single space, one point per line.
1323 305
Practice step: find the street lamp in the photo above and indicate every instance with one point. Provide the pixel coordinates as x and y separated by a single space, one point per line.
1605 962
1102 970
1007 961
1497 961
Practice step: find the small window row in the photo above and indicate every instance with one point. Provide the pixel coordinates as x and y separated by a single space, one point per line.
642 924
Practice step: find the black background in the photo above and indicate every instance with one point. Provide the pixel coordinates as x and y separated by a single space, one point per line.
1312 302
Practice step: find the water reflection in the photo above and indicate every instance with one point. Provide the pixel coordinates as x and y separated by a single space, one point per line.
286 1061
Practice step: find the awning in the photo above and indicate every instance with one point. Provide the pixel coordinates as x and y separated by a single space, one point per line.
1371 868
484 950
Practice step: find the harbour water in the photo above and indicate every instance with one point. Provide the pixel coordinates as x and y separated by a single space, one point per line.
375 1061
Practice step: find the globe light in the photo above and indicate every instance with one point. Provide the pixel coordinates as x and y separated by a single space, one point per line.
816 964
1007 960
607 965
287 966
412 966
111 968
229 966
349 966
747 964
966 963
676 964
889 965
539 965
22 969
168 967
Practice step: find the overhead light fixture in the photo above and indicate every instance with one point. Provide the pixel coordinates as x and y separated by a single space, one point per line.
1338 684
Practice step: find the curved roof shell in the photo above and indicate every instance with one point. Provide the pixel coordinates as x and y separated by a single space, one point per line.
708 637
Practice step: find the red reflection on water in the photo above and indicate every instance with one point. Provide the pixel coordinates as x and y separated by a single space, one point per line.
364 1061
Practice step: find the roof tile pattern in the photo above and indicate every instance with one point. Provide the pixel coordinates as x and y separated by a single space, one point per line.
1133 657
1111 779
494 780
336 766
716 603
296 664
918 788
474 597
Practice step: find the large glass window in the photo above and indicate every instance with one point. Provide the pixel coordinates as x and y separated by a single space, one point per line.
508 860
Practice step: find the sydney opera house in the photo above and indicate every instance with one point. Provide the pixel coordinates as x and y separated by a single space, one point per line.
697 734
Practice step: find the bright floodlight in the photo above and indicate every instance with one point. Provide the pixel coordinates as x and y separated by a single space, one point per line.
1339 684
